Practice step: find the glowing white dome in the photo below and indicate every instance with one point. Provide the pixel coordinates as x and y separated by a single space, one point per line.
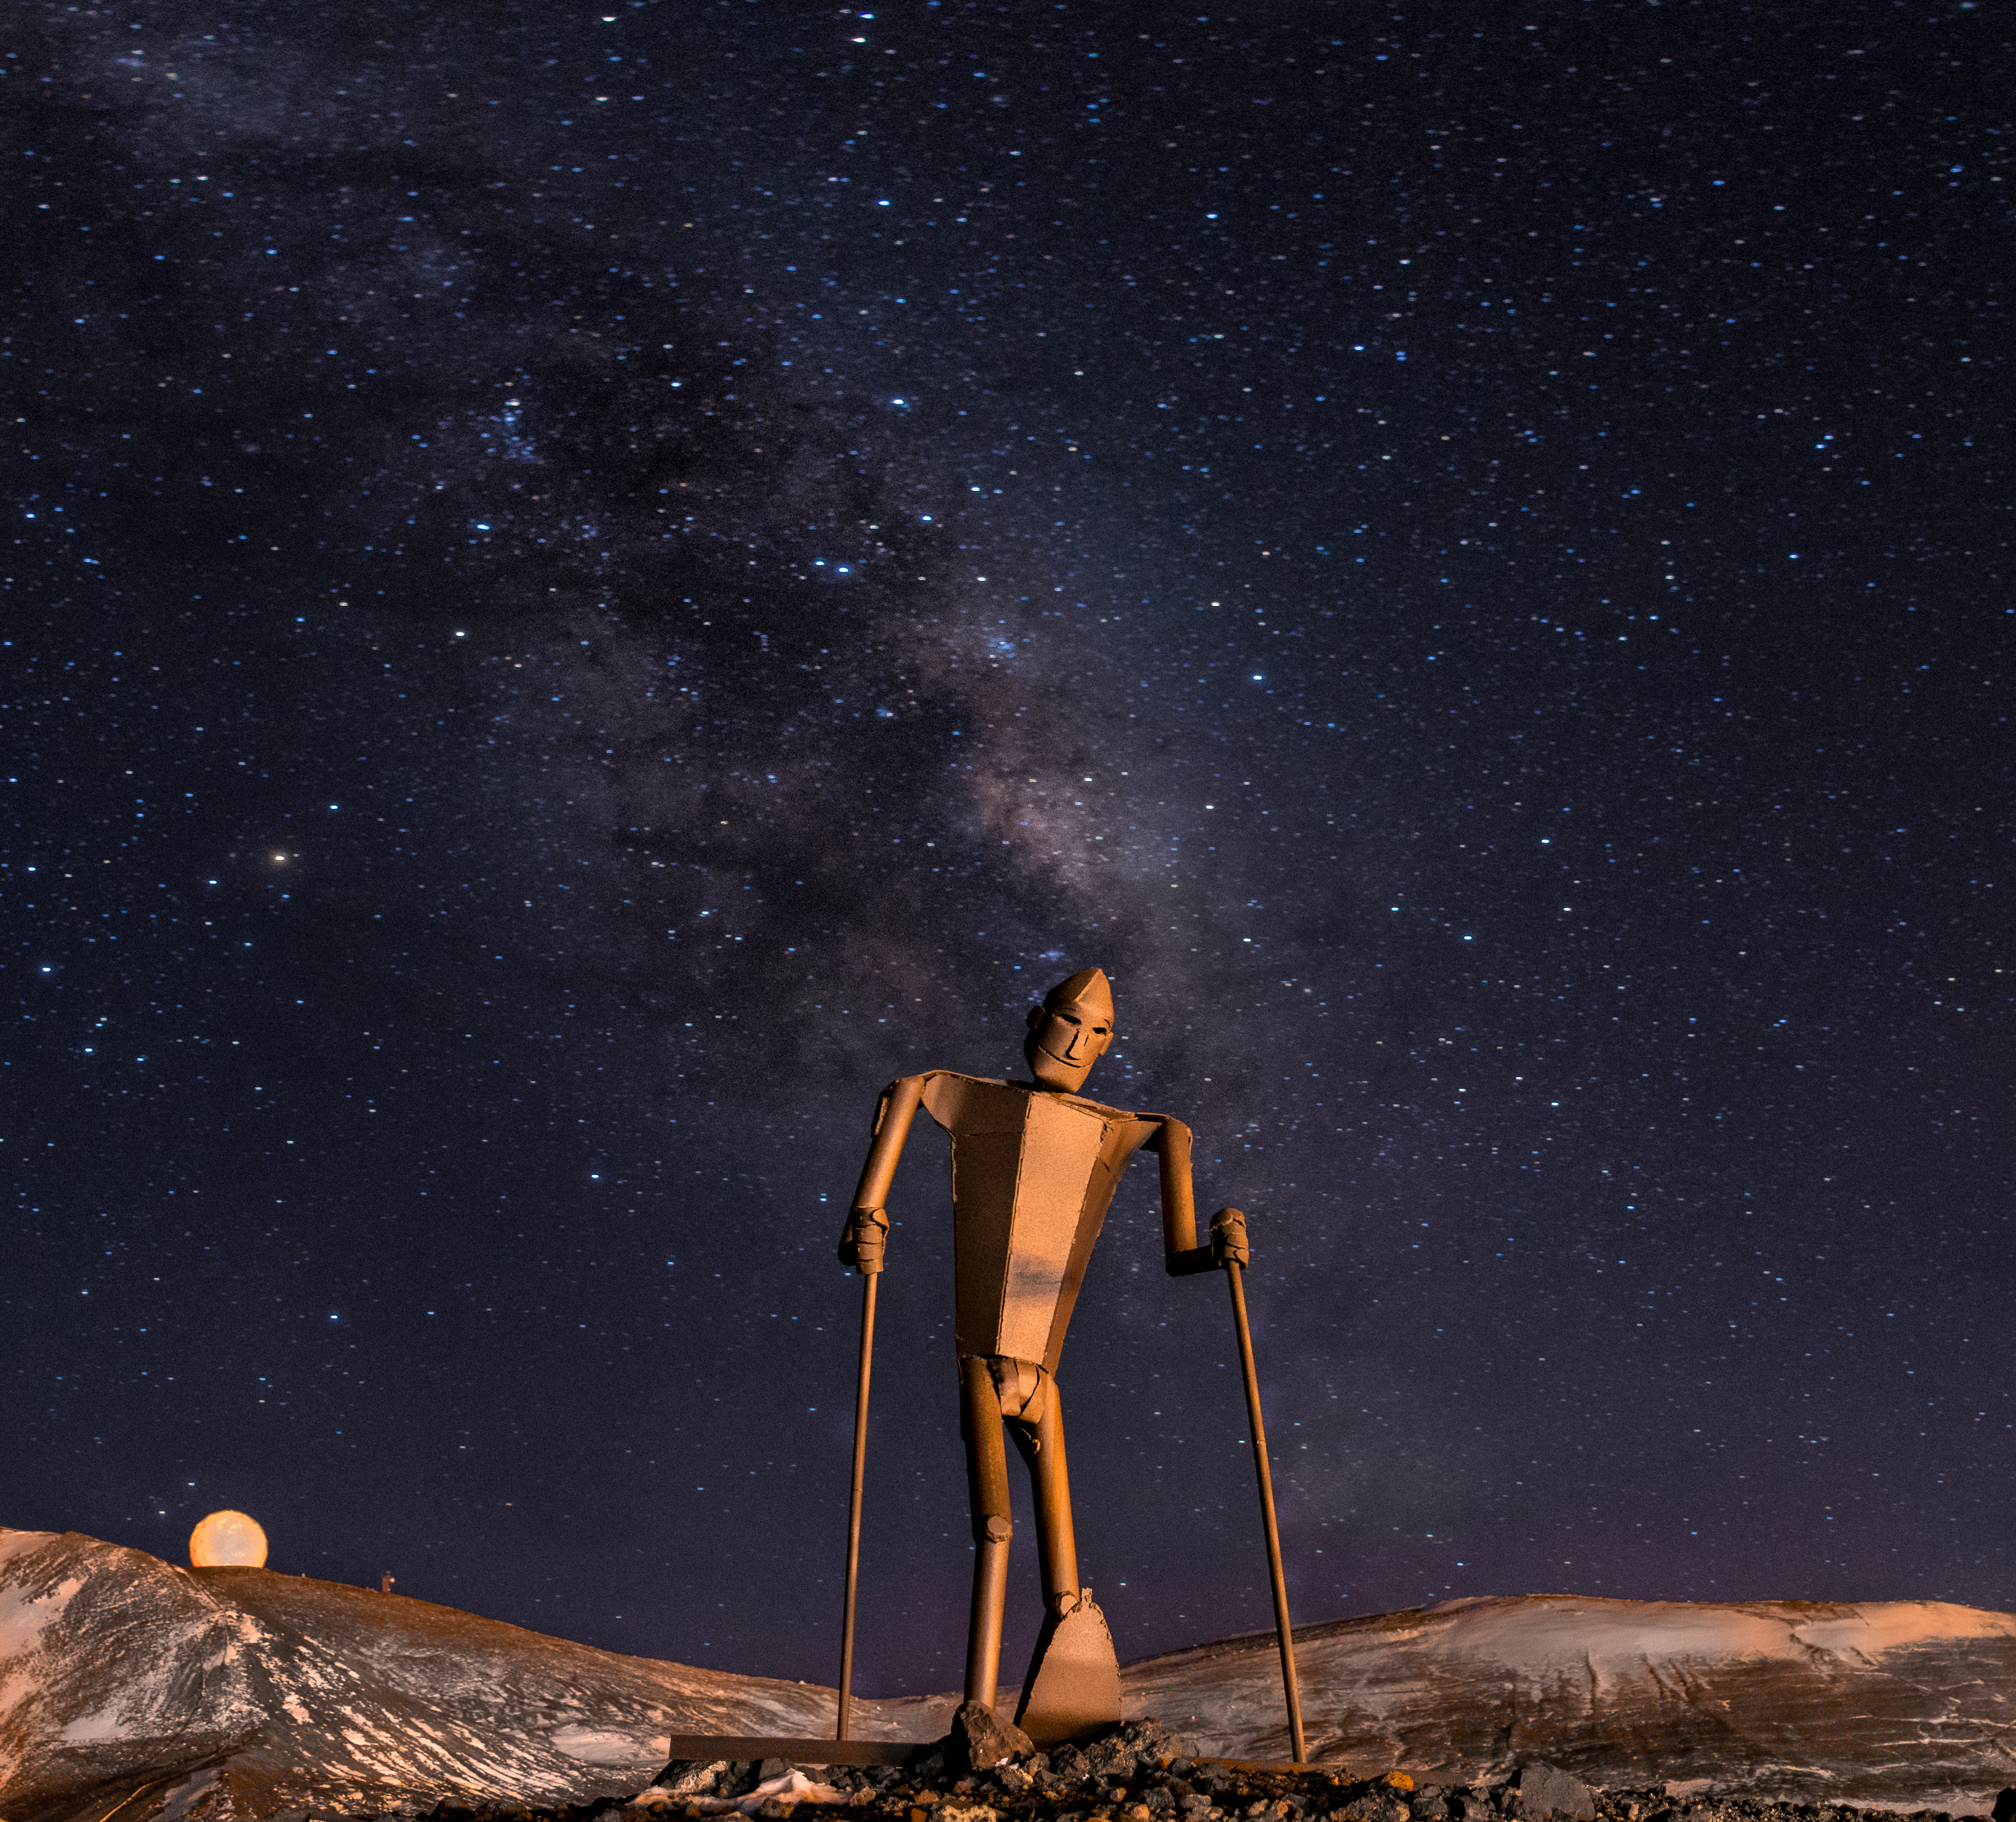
228 1540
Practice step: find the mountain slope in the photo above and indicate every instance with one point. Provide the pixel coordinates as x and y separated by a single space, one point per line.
1910 1702
241 1693
118 1669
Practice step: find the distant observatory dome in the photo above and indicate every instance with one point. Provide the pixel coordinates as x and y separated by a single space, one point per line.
227 1540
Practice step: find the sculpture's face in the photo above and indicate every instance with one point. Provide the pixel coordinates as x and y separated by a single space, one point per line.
1062 1044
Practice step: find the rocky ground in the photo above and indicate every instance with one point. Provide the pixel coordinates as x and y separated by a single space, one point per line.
1142 1774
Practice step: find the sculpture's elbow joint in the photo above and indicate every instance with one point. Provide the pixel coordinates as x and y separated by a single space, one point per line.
864 1240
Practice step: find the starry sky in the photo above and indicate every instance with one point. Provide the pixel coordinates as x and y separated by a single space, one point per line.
591 584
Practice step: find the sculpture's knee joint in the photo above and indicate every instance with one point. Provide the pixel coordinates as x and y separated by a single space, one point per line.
992 1528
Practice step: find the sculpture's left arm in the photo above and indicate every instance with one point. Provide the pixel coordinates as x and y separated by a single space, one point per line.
1180 1255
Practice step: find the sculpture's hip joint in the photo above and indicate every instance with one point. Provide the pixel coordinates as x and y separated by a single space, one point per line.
1022 1387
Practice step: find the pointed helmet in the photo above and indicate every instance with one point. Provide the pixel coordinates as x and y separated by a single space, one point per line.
1088 991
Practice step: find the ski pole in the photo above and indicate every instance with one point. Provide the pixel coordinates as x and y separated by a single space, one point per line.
1233 1269
854 1496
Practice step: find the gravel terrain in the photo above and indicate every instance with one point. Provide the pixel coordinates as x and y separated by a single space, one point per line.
1142 1774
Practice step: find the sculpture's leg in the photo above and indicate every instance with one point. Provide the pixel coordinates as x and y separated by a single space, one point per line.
1057 1540
986 1482
1072 1690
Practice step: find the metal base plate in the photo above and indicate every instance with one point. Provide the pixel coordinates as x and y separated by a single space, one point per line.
1073 1688
708 1746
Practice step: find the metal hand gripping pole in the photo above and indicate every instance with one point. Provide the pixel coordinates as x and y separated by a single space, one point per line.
1229 1222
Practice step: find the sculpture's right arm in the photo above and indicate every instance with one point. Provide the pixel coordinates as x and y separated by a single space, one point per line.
1171 1146
1181 1256
865 1237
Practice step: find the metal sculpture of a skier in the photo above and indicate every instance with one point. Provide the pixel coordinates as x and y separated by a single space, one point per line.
1035 1164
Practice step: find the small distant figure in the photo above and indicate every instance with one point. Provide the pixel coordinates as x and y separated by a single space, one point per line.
385 1581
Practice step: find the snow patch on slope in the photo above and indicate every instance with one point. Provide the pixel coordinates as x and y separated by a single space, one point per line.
24 1617
1878 1627
600 1747
1540 1636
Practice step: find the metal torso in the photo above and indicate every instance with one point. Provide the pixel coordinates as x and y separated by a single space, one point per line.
1033 1174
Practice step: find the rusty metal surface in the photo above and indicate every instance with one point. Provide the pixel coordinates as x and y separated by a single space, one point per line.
1234 1265
1033 1174
1035 1166
862 1372
1073 1689
704 1747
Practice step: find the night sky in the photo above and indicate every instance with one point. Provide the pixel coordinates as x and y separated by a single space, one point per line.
590 584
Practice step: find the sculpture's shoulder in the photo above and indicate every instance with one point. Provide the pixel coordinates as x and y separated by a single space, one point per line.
1137 1116
1161 1124
925 1083
953 1076
1134 1127
978 1104
955 1101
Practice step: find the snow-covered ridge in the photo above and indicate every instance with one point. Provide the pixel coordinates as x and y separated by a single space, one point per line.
1910 1703
238 1692
120 1673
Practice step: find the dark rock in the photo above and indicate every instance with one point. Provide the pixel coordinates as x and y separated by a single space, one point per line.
1132 1748
1545 1791
1068 1763
690 1778
927 1767
980 1740
1375 1804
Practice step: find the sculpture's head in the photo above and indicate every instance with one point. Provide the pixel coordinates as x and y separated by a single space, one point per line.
1069 1031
